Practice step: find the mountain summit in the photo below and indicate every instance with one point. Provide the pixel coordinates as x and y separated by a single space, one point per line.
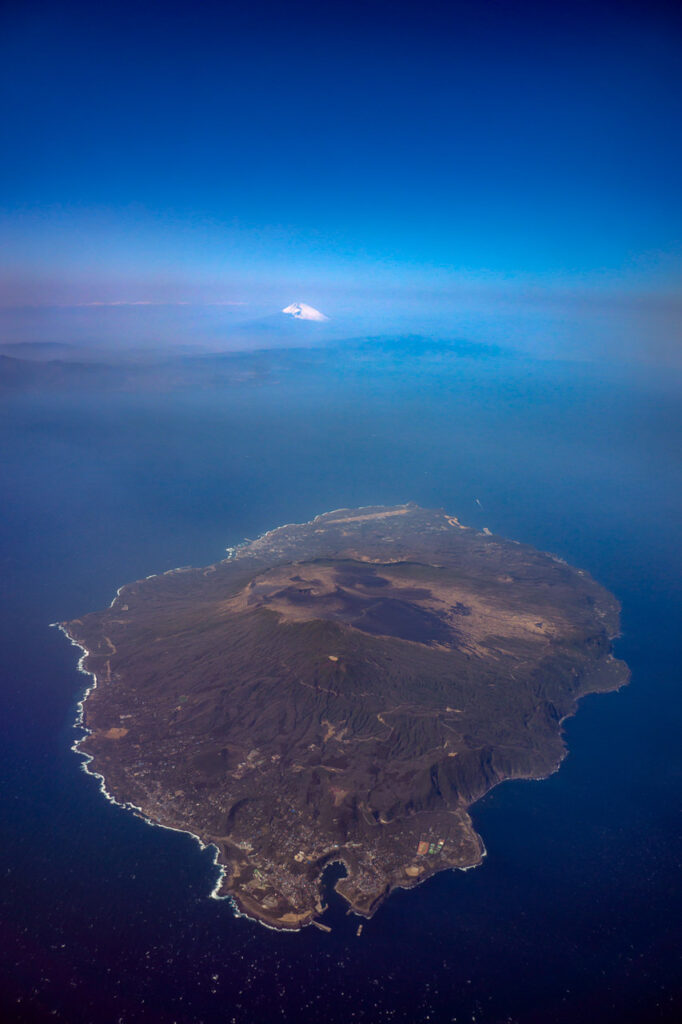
301 311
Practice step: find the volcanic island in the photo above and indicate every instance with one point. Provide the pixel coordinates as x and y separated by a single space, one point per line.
341 690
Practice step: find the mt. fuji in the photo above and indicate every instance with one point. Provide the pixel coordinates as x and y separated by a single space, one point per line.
301 311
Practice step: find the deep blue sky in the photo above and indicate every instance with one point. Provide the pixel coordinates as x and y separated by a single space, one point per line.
205 151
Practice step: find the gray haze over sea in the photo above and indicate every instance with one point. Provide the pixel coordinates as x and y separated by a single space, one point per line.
575 913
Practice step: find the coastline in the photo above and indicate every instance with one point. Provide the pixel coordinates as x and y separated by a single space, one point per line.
239 907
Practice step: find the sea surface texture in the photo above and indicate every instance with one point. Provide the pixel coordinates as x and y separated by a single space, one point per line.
575 912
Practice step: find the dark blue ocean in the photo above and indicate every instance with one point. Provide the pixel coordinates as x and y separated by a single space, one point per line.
576 912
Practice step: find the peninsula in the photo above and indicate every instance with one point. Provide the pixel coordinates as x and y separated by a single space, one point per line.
340 690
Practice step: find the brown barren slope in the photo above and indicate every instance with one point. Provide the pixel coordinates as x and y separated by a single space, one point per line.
341 690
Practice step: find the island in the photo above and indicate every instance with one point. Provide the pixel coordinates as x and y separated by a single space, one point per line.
341 690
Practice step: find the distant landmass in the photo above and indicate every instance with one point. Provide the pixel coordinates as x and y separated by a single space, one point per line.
41 368
340 691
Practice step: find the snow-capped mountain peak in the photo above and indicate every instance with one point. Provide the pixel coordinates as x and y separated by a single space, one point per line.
301 311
